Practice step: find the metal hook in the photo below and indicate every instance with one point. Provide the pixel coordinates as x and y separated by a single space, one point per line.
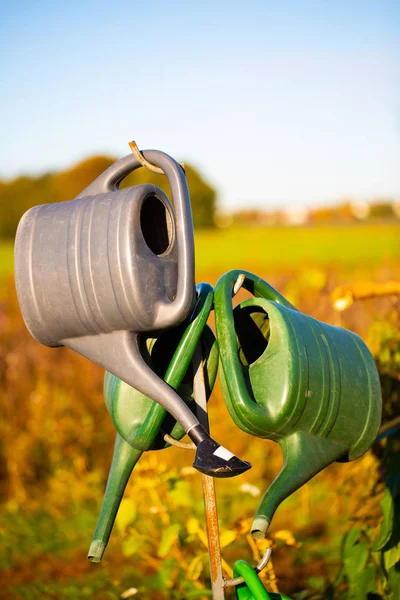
145 163
173 442
260 567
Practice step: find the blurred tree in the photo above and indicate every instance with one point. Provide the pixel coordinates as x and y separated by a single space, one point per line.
17 195
250 216
345 212
323 214
69 183
381 209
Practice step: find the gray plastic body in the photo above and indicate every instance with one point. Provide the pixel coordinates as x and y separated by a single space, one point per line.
85 267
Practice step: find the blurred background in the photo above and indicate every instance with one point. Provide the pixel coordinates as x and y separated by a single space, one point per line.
287 117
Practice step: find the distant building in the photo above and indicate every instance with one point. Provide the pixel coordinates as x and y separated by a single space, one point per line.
295 214
396 209
360 210
223 219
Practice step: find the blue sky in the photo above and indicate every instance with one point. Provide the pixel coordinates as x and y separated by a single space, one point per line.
275 102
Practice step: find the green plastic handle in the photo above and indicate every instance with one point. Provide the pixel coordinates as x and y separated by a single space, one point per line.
248 411
253 284
252 588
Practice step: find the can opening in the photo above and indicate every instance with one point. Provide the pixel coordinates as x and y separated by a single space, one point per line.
253 330
156 225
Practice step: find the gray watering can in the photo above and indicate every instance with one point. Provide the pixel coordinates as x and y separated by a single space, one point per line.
94 272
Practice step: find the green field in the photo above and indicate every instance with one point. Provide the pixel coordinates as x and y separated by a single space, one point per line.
294 247
6 258
282 247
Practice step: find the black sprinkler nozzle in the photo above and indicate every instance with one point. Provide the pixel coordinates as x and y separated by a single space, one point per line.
213 459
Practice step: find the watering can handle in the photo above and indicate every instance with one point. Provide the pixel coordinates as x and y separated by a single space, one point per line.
245 406
110 179
169 313
252 283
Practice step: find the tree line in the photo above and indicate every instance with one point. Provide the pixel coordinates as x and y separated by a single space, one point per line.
21 193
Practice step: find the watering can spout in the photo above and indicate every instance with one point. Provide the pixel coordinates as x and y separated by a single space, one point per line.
124 459
304 455
119 353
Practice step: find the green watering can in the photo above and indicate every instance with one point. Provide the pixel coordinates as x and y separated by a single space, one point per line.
311 387
252 588
140 422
